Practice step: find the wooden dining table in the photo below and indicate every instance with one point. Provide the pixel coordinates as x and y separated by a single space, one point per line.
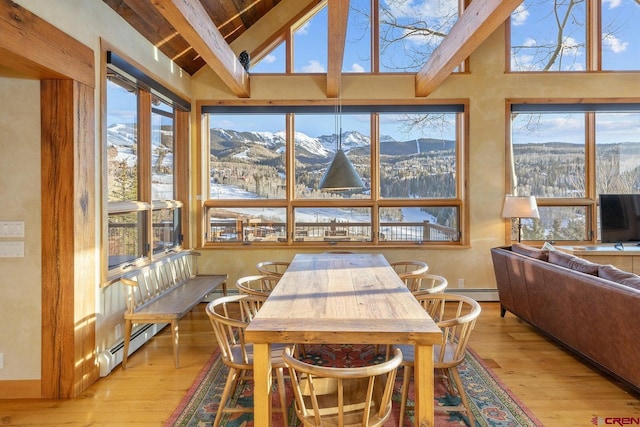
342 299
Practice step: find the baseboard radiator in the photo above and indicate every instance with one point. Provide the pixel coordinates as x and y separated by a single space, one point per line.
112 357
476 293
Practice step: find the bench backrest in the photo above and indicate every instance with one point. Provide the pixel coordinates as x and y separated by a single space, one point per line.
152 281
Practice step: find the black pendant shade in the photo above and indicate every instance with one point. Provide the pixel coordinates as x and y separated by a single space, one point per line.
341 175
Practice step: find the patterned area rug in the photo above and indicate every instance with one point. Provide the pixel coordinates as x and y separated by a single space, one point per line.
492 403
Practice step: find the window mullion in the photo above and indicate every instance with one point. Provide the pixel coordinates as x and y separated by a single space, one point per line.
144 168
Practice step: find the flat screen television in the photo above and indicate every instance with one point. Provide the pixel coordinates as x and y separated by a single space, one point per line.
620 218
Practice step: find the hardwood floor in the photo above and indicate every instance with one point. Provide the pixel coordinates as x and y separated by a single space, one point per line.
555 385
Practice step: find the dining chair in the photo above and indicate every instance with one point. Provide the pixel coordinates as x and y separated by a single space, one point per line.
260 284
345 397
272 268
229 321
405 268
426 282
456 316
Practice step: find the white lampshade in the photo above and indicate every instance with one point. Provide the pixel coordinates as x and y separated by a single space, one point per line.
520 207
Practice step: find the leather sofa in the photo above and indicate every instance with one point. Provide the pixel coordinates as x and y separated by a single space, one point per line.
592 309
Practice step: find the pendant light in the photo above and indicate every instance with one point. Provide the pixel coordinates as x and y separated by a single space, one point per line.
341 175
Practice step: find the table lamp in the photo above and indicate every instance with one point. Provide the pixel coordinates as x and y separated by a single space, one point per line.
520 207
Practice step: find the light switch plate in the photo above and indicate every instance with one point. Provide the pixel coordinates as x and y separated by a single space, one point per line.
11 249
11 228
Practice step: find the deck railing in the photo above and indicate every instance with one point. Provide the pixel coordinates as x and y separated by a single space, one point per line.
238 230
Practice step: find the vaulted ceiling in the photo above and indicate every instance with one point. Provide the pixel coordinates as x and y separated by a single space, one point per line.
198 33
230 17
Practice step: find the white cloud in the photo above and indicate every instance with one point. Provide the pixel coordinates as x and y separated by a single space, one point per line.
437 9
520 15
269 59
313 66
357 68
612 3
614 44
304 30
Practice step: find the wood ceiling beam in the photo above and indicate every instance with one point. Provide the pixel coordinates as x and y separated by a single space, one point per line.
474 26
338 17
191 20
272 28
32 47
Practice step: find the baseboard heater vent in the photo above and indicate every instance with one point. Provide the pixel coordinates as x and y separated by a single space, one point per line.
112 357
476 293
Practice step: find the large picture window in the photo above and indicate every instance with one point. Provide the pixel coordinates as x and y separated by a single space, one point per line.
551 158
266 165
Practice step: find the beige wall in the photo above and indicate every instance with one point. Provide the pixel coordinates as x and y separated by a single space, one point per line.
20 278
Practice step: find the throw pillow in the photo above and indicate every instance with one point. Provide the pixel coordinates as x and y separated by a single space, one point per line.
530 251
610 272
573 262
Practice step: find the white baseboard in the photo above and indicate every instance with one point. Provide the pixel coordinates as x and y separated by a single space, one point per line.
477 294
112 357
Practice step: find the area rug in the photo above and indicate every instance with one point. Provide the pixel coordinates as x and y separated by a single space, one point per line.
493 405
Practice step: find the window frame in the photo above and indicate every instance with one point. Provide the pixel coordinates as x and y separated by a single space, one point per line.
460 202
590 202
148 87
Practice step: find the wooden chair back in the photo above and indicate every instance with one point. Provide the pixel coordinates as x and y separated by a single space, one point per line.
272 268
426 282
456 316
228 322
406 268
342 397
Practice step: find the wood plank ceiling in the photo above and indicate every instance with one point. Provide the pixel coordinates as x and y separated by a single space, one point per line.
230 17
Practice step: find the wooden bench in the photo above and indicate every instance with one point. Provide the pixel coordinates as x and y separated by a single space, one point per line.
164 292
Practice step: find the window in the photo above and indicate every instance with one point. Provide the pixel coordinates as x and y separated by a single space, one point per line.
266 164
406 33
549 36
552 36
551 159
409 32
144 215
620 35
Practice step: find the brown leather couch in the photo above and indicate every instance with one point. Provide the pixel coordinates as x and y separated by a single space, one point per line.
592 309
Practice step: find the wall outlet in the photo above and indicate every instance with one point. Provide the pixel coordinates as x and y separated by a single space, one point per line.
461 283
1 360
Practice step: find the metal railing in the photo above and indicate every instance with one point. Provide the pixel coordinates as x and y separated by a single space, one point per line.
240 231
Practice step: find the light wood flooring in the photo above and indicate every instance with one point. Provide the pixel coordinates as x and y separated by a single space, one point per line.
555 385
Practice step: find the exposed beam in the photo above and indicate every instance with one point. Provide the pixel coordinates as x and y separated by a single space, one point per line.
474 26
35 48
338 14
272 28
191 20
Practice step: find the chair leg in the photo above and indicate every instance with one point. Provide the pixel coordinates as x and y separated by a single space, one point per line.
463 395
226 393
407 372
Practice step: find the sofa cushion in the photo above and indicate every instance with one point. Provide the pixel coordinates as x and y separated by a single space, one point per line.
530 251
573 262
609 272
